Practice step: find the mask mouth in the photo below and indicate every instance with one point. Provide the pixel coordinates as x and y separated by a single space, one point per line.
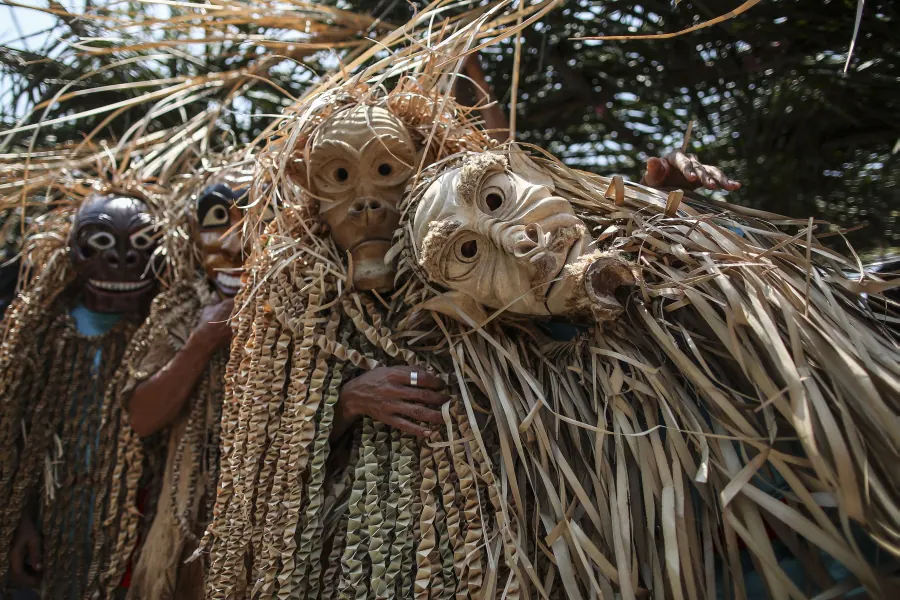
368 243
229 285
119 286
369 271
560 287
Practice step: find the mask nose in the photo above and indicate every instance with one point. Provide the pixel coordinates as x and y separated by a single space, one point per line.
231 245
367 211
115 259
118 261
131 258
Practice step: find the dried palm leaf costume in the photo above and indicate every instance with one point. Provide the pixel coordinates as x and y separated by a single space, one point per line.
63 339
380 515
192 460
688 399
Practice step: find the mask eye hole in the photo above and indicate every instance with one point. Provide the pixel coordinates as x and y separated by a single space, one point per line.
385 169
102 240
341 174
217 216
466 250
494 201
141 241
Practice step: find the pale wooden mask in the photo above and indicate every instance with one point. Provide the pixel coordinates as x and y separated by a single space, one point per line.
360 161
499 238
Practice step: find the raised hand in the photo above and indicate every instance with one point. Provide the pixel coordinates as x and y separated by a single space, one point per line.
213 324
387 395
680 170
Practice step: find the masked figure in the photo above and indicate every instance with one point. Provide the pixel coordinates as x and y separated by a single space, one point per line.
325 488
64 339
177 365
700 392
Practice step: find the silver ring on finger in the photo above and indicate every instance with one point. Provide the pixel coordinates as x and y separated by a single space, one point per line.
413 378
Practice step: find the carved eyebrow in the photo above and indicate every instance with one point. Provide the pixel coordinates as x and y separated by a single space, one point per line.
140 216
96 219
390 143
334 144
474 173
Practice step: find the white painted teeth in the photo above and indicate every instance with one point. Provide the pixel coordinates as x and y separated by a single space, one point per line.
228 281
119 286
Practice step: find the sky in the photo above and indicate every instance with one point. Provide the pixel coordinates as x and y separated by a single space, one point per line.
23 22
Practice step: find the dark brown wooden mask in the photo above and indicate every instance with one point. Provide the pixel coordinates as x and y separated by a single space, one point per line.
111 245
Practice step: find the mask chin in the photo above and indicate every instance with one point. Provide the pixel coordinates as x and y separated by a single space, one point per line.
107 301
369 269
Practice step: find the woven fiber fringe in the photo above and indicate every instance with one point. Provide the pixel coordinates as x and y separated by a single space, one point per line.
191 462
397 525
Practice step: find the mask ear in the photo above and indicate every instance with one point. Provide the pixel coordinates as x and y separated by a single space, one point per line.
457 305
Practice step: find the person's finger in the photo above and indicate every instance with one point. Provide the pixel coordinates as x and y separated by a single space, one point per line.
407 426
702 172
722 179
418 412
684 164
719 177
424 379
705 178
420 396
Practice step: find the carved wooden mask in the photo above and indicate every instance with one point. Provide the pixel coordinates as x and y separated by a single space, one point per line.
219 210
360 160
499 238
111 245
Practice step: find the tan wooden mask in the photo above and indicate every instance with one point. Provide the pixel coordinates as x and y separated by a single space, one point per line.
216 225
501 237
360 160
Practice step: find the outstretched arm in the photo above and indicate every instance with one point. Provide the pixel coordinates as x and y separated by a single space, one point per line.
157 401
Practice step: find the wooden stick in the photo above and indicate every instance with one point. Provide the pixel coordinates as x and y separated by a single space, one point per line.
687 136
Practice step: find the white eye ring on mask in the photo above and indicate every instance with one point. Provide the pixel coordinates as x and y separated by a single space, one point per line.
141 240
216 216
102 240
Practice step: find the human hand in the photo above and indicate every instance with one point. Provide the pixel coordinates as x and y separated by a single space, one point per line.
680 170
25 555
213 326
385 395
